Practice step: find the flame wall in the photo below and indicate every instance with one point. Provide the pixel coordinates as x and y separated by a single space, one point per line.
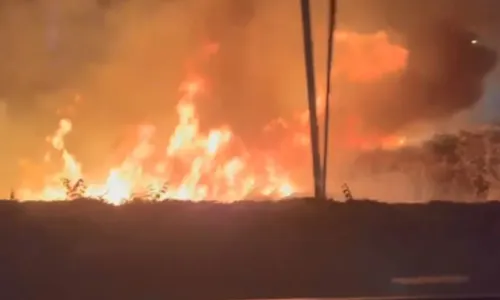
109 67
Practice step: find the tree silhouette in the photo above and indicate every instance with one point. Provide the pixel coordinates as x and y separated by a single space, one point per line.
460 166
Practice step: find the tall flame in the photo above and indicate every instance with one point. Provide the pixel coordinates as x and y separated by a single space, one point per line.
193 164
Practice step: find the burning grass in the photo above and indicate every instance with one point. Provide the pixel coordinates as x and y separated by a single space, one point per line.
206 163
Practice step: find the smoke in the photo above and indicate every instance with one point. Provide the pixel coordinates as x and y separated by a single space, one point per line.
449 57
445 74
8 151
45 46
451 51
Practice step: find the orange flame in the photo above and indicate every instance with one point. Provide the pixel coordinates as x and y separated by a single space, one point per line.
208 171
196 165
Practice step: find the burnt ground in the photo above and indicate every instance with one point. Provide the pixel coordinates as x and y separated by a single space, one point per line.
175 250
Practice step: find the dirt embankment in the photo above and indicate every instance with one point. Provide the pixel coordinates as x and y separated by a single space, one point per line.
297 248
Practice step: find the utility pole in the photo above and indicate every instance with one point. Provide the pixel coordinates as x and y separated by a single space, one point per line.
332 11
311 93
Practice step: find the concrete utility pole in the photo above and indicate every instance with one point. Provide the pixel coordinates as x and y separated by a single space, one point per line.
332 11
311 93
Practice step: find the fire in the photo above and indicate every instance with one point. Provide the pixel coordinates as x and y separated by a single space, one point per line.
209 170
197 165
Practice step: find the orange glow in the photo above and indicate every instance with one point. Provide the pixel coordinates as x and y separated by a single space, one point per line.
357 138
212 165
365 57
208 171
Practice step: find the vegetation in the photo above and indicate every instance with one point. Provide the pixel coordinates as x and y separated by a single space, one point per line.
86 249
461 166
78 190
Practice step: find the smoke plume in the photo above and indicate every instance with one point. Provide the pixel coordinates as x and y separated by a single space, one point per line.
444 75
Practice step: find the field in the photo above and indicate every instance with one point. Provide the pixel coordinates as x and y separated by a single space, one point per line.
86 249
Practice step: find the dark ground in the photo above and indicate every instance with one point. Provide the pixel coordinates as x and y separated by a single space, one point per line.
172 250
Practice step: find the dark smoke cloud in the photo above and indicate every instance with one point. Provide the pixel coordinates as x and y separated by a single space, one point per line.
438 83
445 75
446 70
406 16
